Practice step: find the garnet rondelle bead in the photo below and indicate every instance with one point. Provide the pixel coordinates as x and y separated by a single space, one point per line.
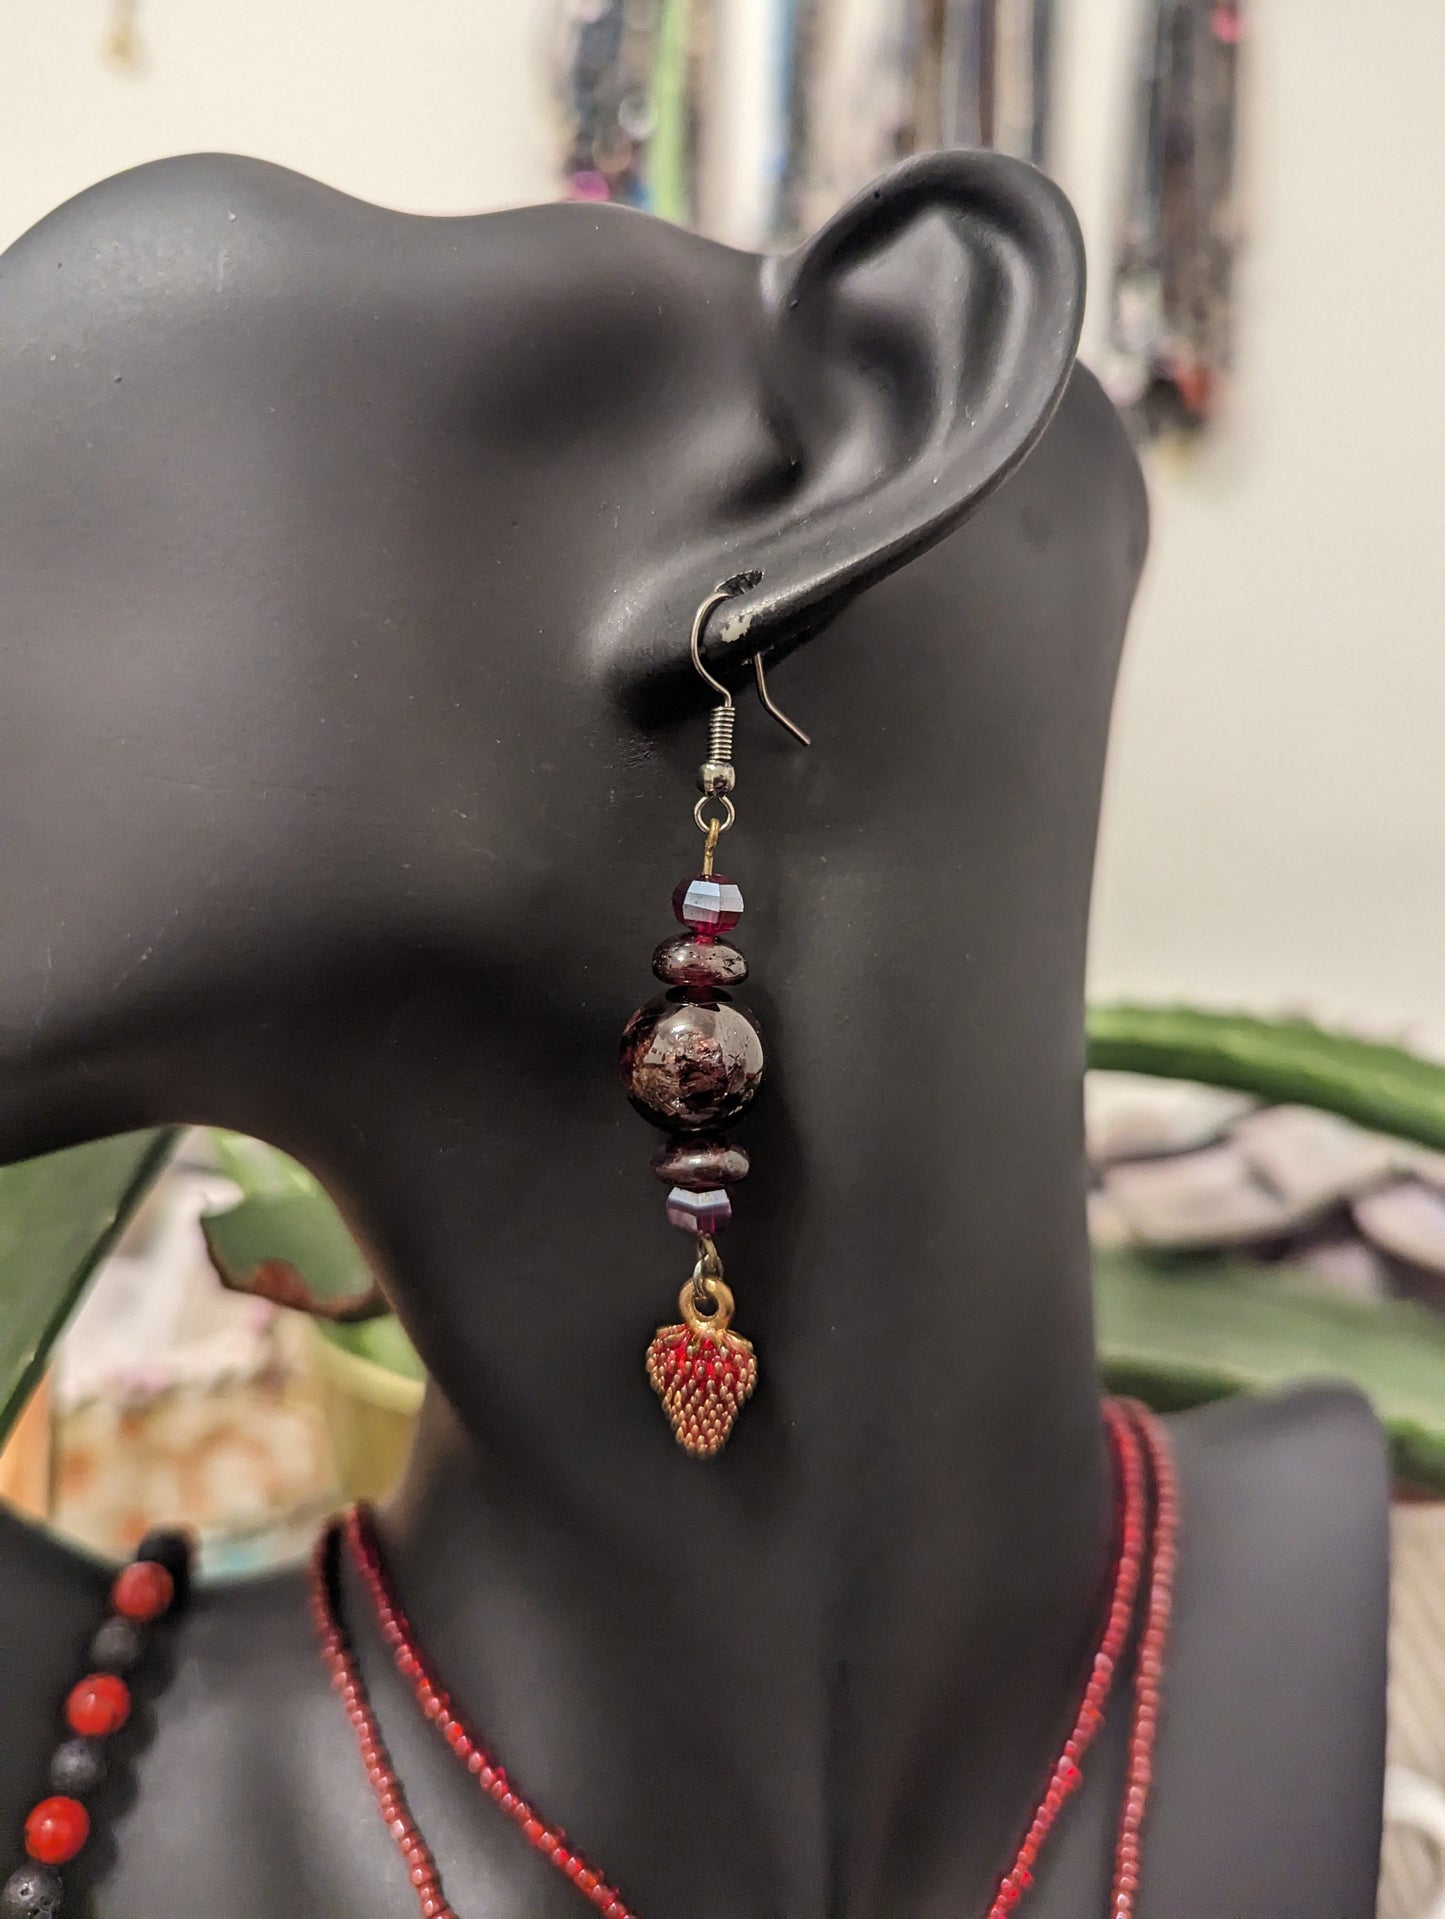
700 1164
34 1892
686 960
98 1704
77 1768
56 1830
143 1590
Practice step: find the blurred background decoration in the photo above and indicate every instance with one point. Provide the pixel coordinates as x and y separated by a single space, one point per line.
1171 320
1278 715
1267 1197
753 120
123 47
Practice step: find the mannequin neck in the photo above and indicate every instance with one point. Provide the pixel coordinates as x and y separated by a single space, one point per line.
856 1635
876 1601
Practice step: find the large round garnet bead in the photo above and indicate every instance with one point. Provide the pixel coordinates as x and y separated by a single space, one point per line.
691 1060
56 1830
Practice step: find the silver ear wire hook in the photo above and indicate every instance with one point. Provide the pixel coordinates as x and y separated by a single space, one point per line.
699 621
776 711
720 742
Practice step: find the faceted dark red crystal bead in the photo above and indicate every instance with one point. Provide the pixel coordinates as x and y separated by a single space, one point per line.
708 903
699 1212
690 1060
685 960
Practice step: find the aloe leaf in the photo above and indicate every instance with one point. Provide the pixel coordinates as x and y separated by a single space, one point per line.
1179 1332
381 1341
285 1214
1382 1088
59 1217
259 1170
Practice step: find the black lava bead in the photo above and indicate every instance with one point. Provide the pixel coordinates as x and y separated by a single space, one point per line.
685 960
77 1768
173 1549
691 1060
32 1893
700 1165
116 1647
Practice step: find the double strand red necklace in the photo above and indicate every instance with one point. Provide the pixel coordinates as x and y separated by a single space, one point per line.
1146 1528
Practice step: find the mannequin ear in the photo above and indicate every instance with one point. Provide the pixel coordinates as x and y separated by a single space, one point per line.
920 344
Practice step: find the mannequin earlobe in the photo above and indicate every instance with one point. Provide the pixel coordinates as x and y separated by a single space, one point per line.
917 347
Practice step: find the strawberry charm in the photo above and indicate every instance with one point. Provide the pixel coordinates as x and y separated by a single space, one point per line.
702 1373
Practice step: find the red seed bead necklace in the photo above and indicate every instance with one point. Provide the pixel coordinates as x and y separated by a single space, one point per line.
1147 1531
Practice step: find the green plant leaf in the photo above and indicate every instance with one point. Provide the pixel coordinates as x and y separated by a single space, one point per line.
259 1170
285 1214
59 1217
1382 1088
382 1341
1179 1332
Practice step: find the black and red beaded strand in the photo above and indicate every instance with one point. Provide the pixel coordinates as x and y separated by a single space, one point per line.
96 1707
156 1581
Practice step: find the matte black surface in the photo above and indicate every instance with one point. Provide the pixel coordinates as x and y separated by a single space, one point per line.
346 762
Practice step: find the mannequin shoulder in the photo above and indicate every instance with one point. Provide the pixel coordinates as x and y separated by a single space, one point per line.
1271 1753
51 1601
1296 1480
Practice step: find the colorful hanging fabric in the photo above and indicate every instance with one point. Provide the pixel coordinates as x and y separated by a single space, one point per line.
1171 331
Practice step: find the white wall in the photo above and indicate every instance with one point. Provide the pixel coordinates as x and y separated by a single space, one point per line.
1275 825
439 106
1275 828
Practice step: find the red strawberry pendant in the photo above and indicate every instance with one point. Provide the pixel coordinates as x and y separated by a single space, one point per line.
703 1374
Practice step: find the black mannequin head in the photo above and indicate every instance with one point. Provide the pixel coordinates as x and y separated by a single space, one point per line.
347 749
349 561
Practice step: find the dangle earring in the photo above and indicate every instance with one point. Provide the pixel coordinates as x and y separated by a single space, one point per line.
692 1062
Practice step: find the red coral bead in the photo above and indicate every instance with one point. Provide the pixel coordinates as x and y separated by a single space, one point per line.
98 1704
56 1830
143 1590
